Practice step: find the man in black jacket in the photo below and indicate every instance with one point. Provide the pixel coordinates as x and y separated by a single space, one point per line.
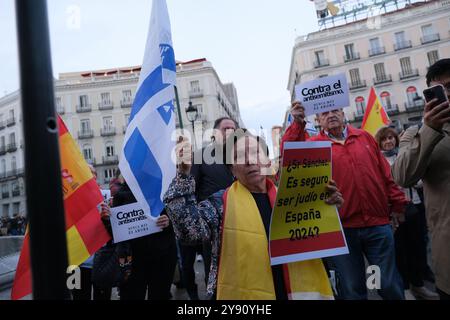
154 257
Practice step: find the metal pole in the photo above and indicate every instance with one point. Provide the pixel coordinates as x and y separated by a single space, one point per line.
180 119
48 247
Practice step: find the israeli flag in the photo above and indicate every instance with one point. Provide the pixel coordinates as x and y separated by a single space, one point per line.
145 161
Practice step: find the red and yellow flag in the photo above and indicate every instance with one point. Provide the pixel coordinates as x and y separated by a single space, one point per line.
375 116
85 231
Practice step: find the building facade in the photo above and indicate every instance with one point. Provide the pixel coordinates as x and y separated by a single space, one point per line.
96 106
391 53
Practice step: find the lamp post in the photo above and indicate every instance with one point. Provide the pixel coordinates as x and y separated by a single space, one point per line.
192 115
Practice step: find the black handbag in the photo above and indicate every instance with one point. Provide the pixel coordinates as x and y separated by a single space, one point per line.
107 271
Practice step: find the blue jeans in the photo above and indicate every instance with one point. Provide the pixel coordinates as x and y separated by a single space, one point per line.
377 245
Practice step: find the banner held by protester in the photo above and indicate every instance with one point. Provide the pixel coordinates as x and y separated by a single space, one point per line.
303 226
323 94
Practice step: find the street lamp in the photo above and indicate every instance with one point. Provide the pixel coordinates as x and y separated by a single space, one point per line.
192 115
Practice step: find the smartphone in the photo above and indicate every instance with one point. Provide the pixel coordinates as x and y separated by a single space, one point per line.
437 91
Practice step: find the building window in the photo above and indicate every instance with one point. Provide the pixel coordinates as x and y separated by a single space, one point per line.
355 79
195 86
6 210
375 47
2 143
13 164
16 206
360 105
85 125
386 100
106 98
127 119
87 152
109 149
350 51
405 64
433 57
380 74
411 94
428 34
12 138
108 123
84 101
320 58
5 192
3 166
11 114
109 174
126 94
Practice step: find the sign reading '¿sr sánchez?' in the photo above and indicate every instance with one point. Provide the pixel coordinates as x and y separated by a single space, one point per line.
323 94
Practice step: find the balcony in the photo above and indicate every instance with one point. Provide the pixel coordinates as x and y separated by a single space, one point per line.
11 121
321 63
126 103
86 134
416 105
402 45
11 147
2 150
430 38
195 94
2 125
352 57
409 74
376 51
108 160
392 109
358 85
16 192
382 79
84 108
91 161
105 105
107 132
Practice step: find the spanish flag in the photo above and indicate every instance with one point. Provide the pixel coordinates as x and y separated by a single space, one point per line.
85 231
375 116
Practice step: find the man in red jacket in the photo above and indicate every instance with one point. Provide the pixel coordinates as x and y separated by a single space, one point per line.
371 199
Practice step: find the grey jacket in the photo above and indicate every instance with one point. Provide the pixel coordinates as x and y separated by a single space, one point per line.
425 154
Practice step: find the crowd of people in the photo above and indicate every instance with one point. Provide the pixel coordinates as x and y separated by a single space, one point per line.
12 226
392 193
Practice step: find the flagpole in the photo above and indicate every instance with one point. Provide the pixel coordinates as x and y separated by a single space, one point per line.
178 107
48 247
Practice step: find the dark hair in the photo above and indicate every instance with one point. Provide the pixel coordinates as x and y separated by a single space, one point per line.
228 148
219 121
438 70
384 132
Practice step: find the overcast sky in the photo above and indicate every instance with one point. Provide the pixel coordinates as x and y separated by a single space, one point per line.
249 42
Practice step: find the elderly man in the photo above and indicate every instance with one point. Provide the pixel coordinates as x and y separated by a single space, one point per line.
371 196
425 154
237 223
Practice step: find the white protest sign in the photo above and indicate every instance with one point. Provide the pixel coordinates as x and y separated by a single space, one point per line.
106 195
130 222
323 94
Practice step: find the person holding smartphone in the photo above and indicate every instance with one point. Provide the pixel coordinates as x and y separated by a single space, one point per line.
425 154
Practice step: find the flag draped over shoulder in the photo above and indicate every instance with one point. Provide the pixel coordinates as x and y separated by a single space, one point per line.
85 231
146 159
375 116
